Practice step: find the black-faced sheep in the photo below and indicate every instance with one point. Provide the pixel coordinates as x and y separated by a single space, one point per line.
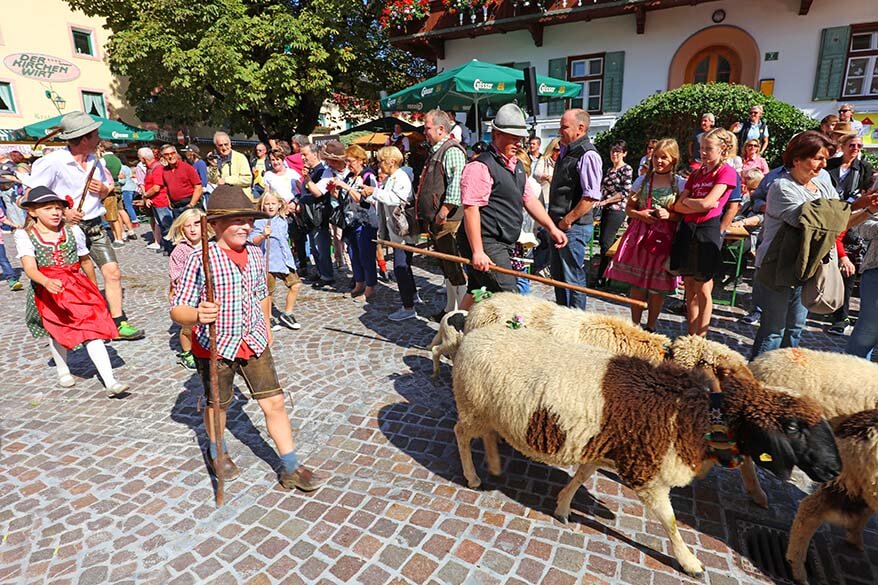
567 403
447 339
848 500
841 384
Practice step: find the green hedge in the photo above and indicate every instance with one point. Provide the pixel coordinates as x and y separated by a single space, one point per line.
677 114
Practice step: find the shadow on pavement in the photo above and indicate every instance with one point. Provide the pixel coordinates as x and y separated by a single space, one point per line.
188 411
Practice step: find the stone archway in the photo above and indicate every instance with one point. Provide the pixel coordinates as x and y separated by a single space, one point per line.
713 48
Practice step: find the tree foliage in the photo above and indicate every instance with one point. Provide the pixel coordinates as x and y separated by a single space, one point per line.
677 114
254 66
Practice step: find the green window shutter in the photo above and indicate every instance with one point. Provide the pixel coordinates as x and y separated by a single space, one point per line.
558 70
614 70
831 63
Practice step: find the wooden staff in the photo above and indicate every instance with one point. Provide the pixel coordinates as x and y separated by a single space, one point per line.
55 131
91 174
218 426
550 281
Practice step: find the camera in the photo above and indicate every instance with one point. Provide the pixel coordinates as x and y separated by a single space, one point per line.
212 158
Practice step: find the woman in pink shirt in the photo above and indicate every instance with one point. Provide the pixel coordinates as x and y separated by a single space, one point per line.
752 159
696 251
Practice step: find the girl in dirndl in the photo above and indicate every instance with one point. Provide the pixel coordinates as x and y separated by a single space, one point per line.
62 302
642 257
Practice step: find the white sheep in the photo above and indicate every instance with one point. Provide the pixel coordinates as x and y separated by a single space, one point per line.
565 403
849 500
447 338
841 384
605 331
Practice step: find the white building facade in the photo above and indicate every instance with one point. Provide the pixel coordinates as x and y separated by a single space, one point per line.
814 54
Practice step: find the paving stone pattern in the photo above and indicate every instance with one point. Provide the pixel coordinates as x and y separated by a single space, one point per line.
99 491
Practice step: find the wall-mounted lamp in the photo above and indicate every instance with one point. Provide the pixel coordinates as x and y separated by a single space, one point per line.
59 102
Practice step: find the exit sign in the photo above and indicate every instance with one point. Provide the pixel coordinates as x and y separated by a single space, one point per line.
771 56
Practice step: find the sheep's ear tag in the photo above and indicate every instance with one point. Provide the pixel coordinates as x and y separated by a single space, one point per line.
765 458
515 323
480 294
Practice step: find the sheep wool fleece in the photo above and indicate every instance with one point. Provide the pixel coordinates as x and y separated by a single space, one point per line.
850 500
565 417
841 384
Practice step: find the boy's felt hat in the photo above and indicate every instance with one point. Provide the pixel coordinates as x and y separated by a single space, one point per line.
230 201
40 195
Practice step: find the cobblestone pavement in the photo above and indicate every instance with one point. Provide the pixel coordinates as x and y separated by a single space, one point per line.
98 491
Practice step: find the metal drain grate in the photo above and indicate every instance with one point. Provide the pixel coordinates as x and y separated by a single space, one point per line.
762 546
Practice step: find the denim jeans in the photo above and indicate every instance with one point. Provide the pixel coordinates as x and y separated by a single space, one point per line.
15 213
783 319
405 279
865 334
567 264
164 217
128 201
321 244
8 272
361 249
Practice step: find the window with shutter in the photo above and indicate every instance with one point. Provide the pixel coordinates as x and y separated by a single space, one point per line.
614 70
558 70
861 63
831 63
588 71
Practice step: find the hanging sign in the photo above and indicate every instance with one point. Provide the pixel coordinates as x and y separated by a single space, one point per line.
41 67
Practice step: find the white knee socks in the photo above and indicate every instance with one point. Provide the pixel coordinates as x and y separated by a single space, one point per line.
59 354
97 351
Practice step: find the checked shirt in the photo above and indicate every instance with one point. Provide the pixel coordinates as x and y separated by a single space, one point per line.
238 293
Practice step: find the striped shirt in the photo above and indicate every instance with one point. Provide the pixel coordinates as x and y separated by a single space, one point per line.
238 293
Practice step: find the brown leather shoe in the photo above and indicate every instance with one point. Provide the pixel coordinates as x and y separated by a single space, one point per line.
230 470
304 479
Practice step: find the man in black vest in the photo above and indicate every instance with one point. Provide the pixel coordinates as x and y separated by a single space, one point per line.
753 128
576 187
439 207
494 189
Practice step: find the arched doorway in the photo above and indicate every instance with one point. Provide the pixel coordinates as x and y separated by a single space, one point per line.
717 53
717 64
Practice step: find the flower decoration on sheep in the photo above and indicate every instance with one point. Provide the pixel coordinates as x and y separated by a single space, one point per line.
471 7
398 13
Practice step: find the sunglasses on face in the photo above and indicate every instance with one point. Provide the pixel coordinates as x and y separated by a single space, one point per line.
857 146
843 111
617 150
752 146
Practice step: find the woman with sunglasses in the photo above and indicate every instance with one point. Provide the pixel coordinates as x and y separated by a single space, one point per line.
851 178
751 159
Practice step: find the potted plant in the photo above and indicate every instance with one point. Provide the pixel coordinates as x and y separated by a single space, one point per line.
398 13
471 7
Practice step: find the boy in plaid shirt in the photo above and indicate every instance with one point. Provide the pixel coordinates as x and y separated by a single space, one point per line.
241 313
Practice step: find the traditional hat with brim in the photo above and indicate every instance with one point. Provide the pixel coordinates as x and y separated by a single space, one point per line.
42 195
332 150
510 119
228 201
76 124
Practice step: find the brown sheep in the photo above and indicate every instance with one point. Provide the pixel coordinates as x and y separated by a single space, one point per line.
647 421
848 500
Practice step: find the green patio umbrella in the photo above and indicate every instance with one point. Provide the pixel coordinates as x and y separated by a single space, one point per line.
474 83
109 130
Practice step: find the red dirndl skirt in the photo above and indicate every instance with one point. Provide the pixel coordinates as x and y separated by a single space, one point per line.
642 257
78 313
